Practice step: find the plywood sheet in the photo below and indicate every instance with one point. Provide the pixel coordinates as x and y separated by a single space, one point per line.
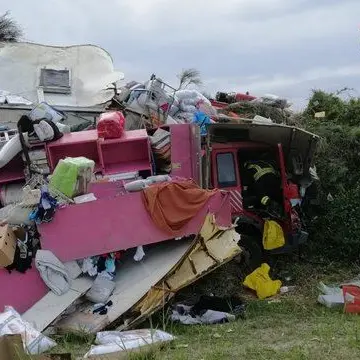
133 281
46 310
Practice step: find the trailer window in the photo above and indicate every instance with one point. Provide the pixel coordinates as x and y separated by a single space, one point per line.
226 170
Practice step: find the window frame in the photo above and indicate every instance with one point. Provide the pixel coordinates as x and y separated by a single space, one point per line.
229 184
56 89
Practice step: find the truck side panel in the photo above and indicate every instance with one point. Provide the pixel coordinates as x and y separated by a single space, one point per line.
113 223
181 151
196 153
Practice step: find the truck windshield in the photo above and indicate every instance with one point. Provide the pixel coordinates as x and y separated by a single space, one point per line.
226 170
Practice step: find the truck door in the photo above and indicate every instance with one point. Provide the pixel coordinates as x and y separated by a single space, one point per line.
225 175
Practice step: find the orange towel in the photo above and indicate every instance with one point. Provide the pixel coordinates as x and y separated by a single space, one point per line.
172 205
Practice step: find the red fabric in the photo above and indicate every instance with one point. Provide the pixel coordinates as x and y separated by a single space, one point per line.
292 191
111 125
172 205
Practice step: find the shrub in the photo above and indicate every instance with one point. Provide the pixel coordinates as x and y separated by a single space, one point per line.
336 232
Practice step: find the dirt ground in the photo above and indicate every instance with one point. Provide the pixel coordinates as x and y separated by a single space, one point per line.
290 326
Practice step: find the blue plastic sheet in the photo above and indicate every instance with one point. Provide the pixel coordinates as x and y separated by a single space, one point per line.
202 120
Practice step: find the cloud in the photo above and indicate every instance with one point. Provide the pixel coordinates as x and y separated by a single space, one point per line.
236 44
317 74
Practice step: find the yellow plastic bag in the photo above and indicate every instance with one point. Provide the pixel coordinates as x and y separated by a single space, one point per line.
273 235
260 281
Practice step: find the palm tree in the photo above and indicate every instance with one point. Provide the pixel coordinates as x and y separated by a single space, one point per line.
189 77
10 31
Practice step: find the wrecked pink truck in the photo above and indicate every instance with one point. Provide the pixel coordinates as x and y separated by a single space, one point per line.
119 219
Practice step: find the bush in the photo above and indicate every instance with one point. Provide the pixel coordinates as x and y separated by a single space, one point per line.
335 234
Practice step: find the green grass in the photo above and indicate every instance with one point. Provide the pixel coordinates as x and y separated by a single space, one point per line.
294 328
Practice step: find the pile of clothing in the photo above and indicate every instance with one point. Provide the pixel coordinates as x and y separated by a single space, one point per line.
46 208
209 310
161 147
104 268
27 241
104 265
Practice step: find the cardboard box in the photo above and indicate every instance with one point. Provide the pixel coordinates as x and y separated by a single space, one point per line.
7 245
11 348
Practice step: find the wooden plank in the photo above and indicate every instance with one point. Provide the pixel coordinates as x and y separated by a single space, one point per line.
46 310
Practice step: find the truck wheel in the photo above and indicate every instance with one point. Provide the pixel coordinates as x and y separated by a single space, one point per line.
253 255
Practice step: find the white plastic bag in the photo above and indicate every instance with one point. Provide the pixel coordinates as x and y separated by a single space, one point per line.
188 108
101 290
10 150
45 111
34 342
85 198
117 341
191 94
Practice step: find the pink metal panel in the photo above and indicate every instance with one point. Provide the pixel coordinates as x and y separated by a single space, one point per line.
181 151
82 143
21 291
115 223
79 137
196 153
12 171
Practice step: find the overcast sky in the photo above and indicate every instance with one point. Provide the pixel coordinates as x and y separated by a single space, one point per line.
284 47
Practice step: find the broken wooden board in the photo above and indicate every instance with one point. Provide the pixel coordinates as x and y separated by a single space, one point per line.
51 306
212 248
142 288
133 281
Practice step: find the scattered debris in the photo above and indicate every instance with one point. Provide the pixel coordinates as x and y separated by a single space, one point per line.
274 301
33 341
12 348
286 289
345 294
